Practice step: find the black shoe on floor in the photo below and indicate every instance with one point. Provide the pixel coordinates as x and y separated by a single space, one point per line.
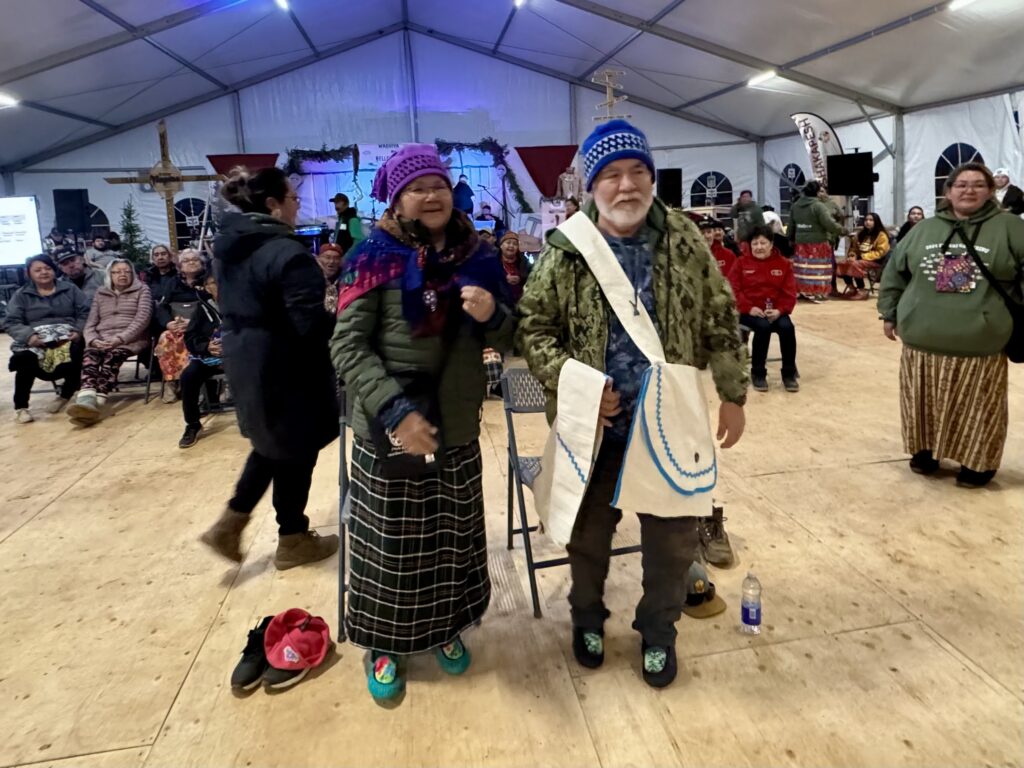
923 463
190 436
790 383
659 664
250 669
275 678
968 478
759 381
588 646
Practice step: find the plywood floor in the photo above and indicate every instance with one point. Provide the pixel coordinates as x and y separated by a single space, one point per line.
894 606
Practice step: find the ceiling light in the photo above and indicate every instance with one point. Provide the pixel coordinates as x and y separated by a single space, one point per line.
519 3
282 4
761 78
6 100
956 5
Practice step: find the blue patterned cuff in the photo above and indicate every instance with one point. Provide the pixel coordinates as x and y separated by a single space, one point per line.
393 413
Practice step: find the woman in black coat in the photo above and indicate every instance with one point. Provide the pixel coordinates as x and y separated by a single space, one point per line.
275 335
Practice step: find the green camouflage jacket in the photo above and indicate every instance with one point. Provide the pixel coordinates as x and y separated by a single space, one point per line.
564 314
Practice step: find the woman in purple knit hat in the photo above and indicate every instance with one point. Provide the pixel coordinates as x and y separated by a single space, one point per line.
421 298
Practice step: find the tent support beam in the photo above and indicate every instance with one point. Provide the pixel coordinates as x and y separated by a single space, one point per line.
701 145
631 39
765 164
113 41
236 109
899 193
111 16
64 113
302 31
874 127
414 117
9 189
504 28
458 42
728 54
962 99
574 116
201 99
760 171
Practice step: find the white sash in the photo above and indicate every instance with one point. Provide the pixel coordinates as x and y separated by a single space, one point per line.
670 467
570 451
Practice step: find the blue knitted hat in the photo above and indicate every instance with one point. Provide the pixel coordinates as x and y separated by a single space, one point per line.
611 141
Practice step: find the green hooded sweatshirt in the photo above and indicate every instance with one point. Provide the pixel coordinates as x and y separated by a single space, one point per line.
812 221
974 324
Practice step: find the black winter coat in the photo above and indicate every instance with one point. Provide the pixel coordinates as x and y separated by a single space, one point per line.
204 323
176 292
275 335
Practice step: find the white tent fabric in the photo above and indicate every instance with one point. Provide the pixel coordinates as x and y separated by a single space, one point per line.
241 75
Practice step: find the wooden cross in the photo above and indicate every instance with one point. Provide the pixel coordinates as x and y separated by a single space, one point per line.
607 78
166 179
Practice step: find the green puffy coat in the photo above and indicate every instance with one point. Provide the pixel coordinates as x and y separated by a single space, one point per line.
564 314
810 221
959 324
372 341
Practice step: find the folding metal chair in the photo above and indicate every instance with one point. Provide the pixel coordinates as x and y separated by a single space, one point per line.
522 393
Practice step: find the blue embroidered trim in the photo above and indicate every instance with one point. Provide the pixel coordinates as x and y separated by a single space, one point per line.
575 465
664 441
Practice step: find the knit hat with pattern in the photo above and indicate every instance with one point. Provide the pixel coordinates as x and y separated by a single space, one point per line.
405 164
611 141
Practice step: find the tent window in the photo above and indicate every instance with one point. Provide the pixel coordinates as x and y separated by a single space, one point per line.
98 221
711 188
951 157
188 218
793 175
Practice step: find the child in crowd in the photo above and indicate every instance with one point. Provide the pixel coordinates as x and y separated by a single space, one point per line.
765 290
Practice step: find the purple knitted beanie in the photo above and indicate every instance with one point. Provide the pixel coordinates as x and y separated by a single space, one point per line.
405 164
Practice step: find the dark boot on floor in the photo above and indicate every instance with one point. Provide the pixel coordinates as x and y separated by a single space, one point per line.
659 664
300 548
759 381
923 463
588 647
225 537
190 436
790 383
968 478
714 541
250 668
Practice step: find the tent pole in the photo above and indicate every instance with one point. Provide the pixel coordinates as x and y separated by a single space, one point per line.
777 172
574 117
236 108
414 118
899 191
9 190
760 172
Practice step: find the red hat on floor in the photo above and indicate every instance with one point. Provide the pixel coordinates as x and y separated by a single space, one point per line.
296 640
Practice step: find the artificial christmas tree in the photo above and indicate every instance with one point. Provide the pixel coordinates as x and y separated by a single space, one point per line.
134 244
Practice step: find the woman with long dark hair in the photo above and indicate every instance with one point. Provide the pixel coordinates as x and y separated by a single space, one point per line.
274 342
914 216
870 246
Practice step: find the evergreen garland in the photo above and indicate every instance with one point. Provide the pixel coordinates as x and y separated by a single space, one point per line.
134 243
296 157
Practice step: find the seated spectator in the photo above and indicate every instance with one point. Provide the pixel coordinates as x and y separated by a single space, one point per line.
870 246
162 275
914 215
73 266
723 256
173 311
329 258
725 241
54 241
765 291
202 340
117 328
114 245
96 255
45 319
517 269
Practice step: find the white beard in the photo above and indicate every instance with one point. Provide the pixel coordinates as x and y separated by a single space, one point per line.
625 217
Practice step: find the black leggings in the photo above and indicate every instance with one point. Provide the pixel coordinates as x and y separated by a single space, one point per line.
858 281
192 379
25 366
291 479
763 329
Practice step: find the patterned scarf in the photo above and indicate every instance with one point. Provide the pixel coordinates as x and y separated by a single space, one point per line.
430 281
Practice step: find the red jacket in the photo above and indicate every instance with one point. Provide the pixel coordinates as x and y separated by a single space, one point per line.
754 282
724 257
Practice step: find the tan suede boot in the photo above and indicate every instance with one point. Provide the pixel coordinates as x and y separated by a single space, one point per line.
301 548
225 537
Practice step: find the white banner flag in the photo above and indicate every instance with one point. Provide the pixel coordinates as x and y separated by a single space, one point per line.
821 141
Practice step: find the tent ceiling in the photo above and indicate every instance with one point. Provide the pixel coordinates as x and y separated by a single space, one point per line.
135 58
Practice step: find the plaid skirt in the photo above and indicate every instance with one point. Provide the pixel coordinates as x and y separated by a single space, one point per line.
955 407
812 268
418 563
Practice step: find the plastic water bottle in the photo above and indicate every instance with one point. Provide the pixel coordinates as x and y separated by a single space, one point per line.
750 606
769 305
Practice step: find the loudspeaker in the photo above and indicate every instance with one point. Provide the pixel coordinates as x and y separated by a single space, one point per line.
72 210
851 175
670 186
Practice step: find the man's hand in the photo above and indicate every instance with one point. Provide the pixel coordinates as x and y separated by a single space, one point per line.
215 348
478 303
731 422
889 329
610 406
74 336
772 315
34 340
756 312
512 279
416 435
177 325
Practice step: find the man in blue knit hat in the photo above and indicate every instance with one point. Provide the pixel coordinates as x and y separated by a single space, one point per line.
565 315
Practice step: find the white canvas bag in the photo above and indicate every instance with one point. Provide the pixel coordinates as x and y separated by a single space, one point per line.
570 451
670 467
